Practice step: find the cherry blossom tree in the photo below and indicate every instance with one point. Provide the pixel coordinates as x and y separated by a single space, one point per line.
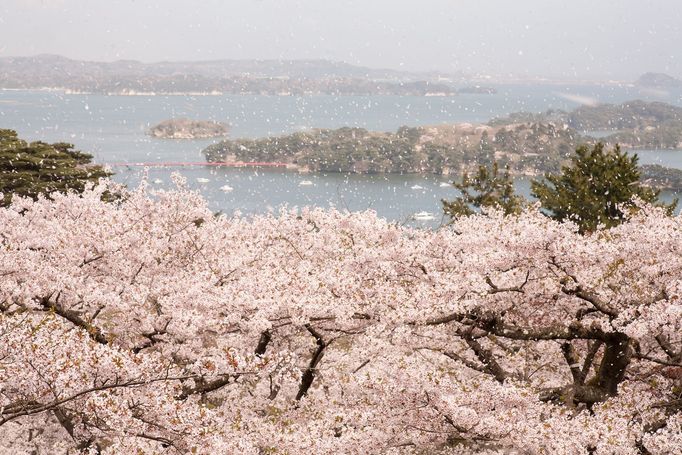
150 325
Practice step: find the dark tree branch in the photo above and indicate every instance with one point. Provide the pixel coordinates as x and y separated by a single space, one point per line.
573 393
202 387
582 312
616 358
495 289
672 404
486 357
589 358
137 272
468 363
64 420
309 374
165 442
458 317
291 244
592 298
73 317
664 342
91 260
572 360
274 390
496 326
25 408
582 293
668 363
362 365
263 342
151 338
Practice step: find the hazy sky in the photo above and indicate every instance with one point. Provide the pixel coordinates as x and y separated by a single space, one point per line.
597 39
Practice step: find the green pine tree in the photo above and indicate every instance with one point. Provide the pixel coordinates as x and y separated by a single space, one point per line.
488 188
29 169
594 188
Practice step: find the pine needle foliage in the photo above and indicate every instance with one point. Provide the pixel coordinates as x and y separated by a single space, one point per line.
489 188
30 169
596 189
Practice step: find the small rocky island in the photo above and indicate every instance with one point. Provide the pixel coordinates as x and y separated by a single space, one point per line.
182 128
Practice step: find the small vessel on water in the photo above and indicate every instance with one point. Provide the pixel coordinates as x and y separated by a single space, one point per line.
423 216
226 188
417 187
305 183
202 180
157 181
445 184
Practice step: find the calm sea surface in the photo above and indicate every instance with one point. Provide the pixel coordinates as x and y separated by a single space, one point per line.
112 128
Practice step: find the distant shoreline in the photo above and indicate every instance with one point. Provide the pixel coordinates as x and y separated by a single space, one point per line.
455 92
210 93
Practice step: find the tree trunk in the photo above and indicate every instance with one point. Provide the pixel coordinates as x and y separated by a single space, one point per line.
617 355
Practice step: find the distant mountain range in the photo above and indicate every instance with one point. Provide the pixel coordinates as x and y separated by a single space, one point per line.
224 76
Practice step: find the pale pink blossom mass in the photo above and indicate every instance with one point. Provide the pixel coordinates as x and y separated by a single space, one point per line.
150 325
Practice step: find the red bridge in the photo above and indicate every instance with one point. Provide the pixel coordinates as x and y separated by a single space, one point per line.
199 163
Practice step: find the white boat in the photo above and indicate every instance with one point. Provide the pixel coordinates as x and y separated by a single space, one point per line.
423 216
305 183
445 184
202 180
157 181
226 188
417 187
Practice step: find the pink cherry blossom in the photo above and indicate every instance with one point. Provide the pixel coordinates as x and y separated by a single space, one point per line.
150 325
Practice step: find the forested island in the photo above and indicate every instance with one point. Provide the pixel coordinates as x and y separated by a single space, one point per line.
634 124
529 144
182 128
438 150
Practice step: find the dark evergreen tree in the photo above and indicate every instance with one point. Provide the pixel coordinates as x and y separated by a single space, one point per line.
488 188
486 148
29 169
595 188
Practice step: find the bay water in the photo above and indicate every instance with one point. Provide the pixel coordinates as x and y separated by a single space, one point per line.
113 129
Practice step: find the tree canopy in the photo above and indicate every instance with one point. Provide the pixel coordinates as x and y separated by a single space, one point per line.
133 328
30 169
487 189
595 189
